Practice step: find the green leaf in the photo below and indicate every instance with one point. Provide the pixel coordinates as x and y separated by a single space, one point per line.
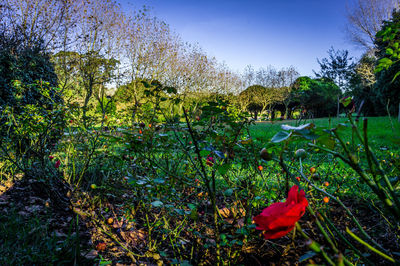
326 141
157 203
204 153
223 169
191 206
171 90
159 180
346 101
305 126
194 214
281 136
340 127
307 256
307 134
220 154
386 62
228 192
145 84
395 76
141 182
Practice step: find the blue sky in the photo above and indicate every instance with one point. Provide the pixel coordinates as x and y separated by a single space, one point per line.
255 32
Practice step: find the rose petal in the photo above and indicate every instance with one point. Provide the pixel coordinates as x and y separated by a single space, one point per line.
293 195
279 218
277 233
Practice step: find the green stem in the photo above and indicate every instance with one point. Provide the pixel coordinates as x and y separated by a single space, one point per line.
367 151
353 218
321 228
380 170
356 166
342 237
325 234
314 246
369 246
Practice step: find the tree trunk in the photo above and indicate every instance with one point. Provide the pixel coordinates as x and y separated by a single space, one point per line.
134 114
85 105
338 106
272 114
398 116
286 115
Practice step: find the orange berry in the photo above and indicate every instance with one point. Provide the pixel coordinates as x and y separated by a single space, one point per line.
313 170
101 246
298 178
140 131
190 142
260 168
149 125
326 199
326 184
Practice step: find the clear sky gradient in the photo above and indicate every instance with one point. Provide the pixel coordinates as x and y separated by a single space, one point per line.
257 32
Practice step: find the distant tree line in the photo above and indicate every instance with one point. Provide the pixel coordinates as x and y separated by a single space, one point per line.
99 56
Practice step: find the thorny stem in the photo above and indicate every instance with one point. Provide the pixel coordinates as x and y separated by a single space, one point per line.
346 209
380 170
326 236
356 166
369 246
314 246
341 236
207 181
368 152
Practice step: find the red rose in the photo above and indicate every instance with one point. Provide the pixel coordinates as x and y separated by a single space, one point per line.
57 164
279 218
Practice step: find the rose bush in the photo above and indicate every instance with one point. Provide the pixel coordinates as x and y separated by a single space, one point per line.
279 218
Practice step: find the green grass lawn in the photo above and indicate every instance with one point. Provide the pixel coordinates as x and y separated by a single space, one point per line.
380 131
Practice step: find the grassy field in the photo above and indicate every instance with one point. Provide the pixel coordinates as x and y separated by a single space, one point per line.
380 130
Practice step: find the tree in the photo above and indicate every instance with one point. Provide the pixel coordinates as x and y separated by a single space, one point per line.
365 18
98 34
31 113
362 84
317 96
338 68
25 63
39 20
257 98
95 72
388 69
252 99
